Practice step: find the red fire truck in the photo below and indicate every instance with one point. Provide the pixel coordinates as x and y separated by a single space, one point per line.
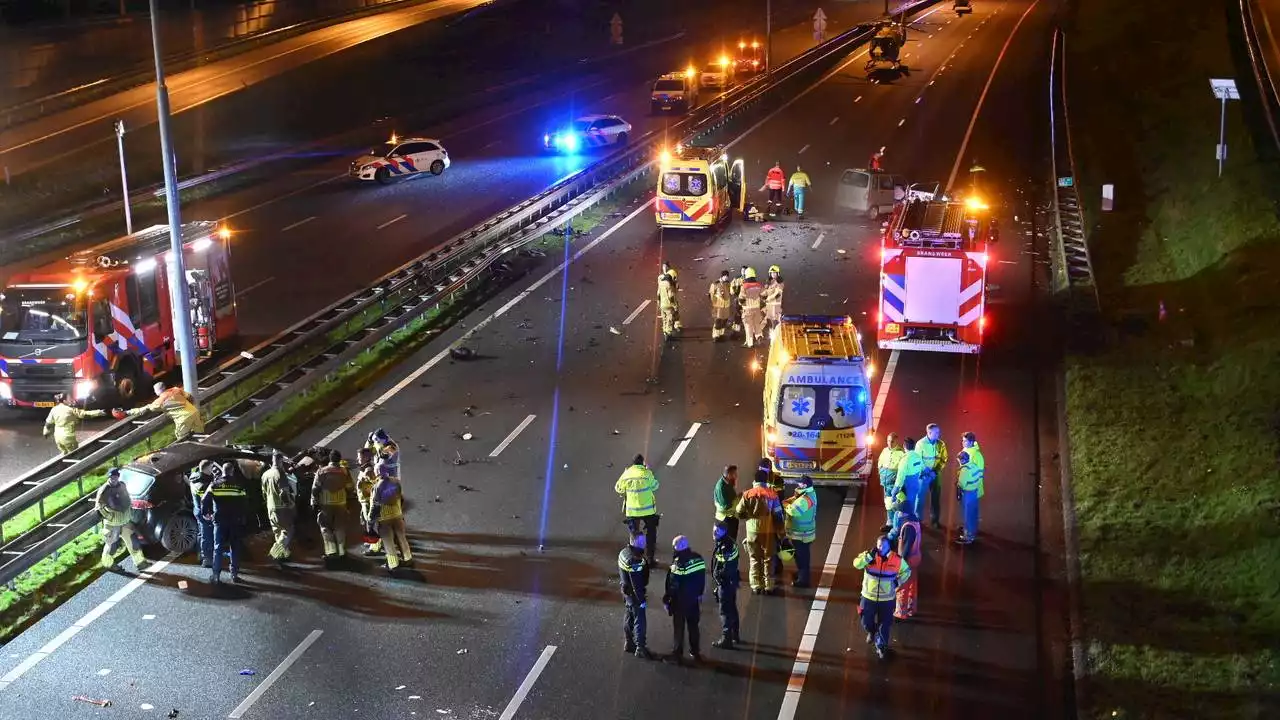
98 324
933 275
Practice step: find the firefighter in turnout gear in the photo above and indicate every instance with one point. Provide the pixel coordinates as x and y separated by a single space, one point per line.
760 507
178 405
721 307
226 504
63 421
772 296
633 579
114 505
329 498
775 182
735 290
385 452
752 302
366 479
668 305
726 576
686 582
388 511
280 492
639 490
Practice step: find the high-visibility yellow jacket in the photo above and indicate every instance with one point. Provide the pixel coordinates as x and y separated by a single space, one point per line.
933 454
331 486
181 409
881 576
801 513
973 472
63 421
113 503
800 180
279 490
639 488
387 495
666 294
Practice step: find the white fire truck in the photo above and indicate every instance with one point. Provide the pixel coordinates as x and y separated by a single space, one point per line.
933 275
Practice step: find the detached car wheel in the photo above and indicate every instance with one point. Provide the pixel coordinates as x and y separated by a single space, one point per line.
179 534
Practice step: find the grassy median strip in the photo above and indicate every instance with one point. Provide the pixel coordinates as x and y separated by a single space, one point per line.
1175 426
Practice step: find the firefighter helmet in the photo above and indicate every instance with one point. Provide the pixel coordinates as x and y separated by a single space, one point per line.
750 274
775 269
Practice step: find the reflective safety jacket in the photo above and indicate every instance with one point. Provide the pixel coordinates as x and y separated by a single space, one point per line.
639 488
633 575
752 296
63 420
759 506
331 486
385 455
724 565
225 501
279 490
387 498
724 496
776 179
666 294
800 181
686 582
802 515
735 287
933 454
772 294
113 503
908 480
972 473
890 457
721 299
881 576
181 409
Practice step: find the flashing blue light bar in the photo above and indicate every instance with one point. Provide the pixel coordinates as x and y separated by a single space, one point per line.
818 319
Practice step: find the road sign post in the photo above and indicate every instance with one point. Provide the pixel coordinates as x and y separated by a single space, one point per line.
1224 89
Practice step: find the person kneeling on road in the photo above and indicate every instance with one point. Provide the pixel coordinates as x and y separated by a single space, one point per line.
633 579
883 571
686 582
113 504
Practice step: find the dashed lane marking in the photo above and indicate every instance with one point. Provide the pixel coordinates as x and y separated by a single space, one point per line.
298 224
523 691
806 147
275 675
507 441
255 286
391 222
684 444
858 99
882 393
818 242
636 313
834 120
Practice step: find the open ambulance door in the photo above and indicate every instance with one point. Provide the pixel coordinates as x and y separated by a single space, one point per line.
737 189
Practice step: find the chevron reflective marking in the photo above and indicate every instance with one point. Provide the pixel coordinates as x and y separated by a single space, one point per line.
895 295
859 459
835 462
970 292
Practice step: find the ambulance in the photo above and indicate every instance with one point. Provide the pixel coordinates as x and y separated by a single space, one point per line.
817 401
698 187
98 325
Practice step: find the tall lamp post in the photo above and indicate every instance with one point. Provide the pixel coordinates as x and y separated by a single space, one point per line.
178 297
768 37
124 179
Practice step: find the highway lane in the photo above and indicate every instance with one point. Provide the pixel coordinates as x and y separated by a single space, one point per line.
310 237
30 146
504 601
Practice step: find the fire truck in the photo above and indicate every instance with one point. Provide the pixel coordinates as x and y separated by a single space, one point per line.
933 274
98 324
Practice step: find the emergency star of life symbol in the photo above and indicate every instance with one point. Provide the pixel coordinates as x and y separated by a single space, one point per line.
800 407
846 406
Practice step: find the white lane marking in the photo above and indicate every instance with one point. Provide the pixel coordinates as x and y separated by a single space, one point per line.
882 393
857 99
800 669
834 120
981 98
818 242
495 142
806 147
255 286
285 196
34 658
275 675
902 122
636 313
684 444
529 680
519 429
298 224
392 221
436 359
919 98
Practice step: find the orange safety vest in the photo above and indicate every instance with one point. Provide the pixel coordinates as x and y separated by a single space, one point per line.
910 554
776 180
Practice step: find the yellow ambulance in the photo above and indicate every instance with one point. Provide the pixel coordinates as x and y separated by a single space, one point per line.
698 187
817 401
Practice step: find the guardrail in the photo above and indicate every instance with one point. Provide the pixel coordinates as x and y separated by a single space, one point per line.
402 295
1261 73
1073 273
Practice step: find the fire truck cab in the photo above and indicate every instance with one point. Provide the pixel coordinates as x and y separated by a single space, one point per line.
933 275
98 325
817 401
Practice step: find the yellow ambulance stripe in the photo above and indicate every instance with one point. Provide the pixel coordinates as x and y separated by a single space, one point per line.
833 462
853 463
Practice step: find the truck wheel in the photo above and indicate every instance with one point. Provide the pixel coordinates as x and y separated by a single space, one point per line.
126 381
437 167
382 175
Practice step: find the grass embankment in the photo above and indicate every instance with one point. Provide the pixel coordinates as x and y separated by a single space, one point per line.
1175 425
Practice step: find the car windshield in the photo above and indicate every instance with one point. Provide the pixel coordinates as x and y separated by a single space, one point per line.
42 315
669 85
138 482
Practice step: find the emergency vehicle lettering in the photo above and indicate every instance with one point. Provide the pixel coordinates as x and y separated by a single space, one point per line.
803 434
845 380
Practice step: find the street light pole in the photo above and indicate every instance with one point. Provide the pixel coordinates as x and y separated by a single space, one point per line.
178 297
768 36
124 179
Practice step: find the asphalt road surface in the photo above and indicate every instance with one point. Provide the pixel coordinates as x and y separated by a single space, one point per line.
311 236
514 610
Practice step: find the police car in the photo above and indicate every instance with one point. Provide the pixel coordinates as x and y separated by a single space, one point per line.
587 132
401 158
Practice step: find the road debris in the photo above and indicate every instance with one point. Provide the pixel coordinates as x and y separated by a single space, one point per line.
462 353
182 584
147 706
401 687
467 436
462 651
248 671
91 701
466 488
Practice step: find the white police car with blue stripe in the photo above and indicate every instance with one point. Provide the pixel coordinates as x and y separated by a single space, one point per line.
588 132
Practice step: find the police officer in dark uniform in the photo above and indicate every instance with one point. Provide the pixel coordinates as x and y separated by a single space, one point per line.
225 504
724 572
633 577
200 478
686 582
